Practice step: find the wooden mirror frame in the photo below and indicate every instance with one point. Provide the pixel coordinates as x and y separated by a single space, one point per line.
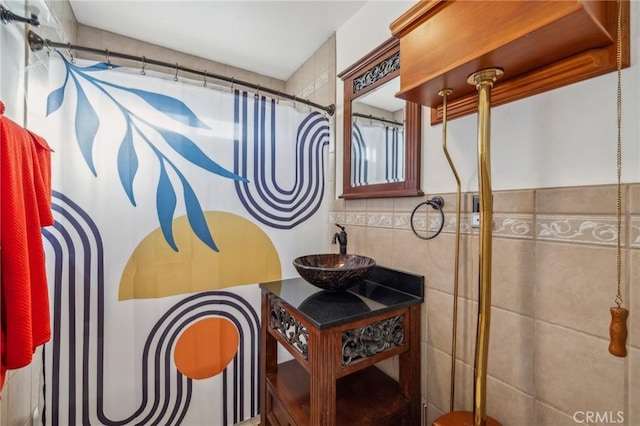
373 70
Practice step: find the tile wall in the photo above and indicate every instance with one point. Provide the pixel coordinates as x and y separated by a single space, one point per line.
315 80
554 279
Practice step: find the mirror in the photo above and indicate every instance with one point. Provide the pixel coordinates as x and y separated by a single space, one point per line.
377 136
382 133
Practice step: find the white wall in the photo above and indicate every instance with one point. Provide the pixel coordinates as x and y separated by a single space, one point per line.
566 137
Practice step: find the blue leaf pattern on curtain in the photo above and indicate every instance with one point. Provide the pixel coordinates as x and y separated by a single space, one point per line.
55 98
127 163
166 204
100 66
195 215
171 107
87 126
190 151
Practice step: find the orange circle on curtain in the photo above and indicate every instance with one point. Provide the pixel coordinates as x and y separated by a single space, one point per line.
206 347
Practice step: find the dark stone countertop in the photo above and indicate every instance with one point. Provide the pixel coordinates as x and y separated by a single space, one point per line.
383 290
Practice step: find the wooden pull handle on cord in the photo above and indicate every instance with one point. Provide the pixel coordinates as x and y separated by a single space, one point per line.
618 332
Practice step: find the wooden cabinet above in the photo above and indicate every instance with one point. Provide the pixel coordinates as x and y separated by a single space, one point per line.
540 45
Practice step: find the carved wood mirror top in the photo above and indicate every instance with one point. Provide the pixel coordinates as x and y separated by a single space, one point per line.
382 134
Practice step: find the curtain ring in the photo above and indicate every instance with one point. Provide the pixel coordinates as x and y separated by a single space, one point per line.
143 72
257 95
232 84
71 58
108 59
205 79
175 77
278 97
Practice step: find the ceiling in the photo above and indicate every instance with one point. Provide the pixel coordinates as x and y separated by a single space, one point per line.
272 38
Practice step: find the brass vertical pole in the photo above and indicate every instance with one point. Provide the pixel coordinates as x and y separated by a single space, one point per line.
452 398
483 81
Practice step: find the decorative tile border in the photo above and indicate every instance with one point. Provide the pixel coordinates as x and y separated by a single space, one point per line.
450 224
322 80
356 218
307 91
337 217
601 230
513 226
401 221
508 226
380 220
311 88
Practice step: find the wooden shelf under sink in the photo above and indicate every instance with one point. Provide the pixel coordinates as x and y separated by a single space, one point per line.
366 398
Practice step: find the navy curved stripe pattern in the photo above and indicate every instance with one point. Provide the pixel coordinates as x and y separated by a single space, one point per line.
394 153
359 162
269 201
76 377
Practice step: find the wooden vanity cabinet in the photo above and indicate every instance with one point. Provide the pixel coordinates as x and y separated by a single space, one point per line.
332 379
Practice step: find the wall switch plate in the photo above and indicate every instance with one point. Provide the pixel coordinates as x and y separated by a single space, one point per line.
475 215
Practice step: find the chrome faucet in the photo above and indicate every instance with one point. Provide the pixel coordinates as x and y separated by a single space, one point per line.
340 237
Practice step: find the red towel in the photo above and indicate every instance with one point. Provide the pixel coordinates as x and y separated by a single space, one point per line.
25 196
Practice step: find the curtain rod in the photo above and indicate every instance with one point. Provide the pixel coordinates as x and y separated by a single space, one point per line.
37 43
371 117
7 16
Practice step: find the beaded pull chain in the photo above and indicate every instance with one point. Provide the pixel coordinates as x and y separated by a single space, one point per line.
618 327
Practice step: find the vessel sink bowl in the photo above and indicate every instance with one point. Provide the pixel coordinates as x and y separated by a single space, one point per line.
334 272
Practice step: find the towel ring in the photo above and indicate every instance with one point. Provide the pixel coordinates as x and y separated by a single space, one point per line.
437 203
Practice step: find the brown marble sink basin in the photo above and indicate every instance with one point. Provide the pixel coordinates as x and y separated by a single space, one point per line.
333 272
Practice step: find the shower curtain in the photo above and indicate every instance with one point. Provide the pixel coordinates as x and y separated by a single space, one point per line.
172 201
377 154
